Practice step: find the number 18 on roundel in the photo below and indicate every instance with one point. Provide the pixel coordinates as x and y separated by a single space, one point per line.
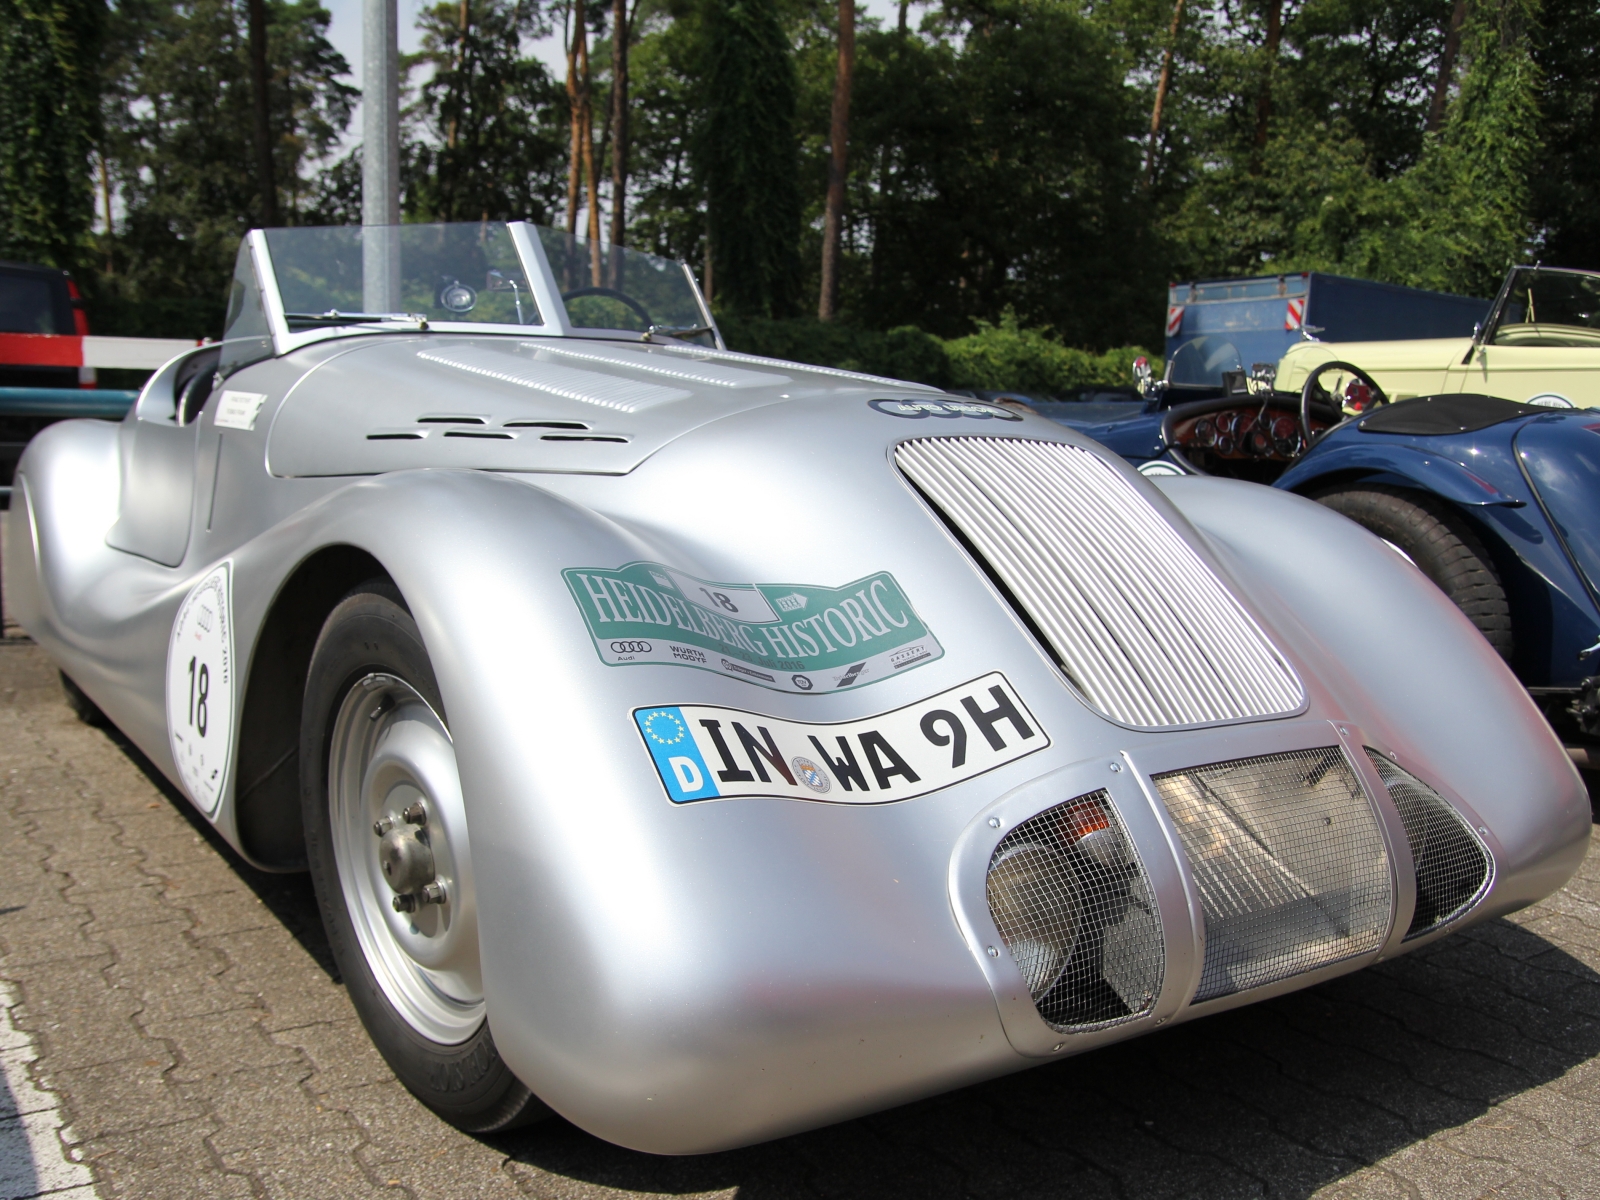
200 687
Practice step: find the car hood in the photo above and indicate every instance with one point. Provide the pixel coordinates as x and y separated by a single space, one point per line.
524 404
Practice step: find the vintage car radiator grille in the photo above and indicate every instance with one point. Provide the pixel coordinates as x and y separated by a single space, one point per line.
1290 863
1137 620
1075 909
1454 867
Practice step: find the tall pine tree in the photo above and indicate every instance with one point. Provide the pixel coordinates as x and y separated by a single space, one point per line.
748 158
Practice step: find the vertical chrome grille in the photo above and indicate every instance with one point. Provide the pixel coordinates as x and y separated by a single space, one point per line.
1454 867
1075 909
1290 863
1139 622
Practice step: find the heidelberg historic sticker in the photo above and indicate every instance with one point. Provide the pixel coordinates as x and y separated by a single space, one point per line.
788 637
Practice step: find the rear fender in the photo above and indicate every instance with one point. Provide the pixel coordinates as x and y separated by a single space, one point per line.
1431 472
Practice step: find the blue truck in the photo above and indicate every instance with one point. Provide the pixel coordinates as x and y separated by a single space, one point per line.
1262 317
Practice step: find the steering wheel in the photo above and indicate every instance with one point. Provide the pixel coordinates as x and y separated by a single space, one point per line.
1361 395
613 294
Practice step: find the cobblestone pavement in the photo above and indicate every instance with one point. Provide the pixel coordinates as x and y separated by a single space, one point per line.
175 1027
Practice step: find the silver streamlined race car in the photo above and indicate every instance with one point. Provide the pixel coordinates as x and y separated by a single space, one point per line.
750 745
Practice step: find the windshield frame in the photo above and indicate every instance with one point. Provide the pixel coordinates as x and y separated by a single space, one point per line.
1491 327
541 283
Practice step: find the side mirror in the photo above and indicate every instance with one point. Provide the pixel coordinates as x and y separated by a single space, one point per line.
1141 375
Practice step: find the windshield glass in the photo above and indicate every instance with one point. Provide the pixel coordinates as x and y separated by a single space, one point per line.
1201 363
610 287
458 273
1550 308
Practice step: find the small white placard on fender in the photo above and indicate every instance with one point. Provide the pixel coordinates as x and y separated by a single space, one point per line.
237 410
200 683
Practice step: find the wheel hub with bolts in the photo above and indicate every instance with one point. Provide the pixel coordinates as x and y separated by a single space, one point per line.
400 842
407 859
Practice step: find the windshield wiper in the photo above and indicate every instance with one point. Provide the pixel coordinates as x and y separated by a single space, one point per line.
333 318
680 332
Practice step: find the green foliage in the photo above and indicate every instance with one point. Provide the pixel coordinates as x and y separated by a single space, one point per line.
178 151
666 199
486 138
1358 188
903 353
1568 177
49 98
993 165
1006 356
997 357
746 157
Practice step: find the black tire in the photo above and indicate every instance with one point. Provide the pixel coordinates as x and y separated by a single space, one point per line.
1441 543
469 1084
85 709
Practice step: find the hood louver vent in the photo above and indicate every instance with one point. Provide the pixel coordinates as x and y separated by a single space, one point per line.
1453 867
1136 619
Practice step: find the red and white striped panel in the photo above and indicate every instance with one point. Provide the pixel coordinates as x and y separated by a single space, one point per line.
1174 320
1295 315
90 350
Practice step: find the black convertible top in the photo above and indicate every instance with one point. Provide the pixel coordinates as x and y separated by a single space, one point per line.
1431 416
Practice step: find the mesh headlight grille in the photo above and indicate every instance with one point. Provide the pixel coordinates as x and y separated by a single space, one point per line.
1290 863
1454 867
1073 905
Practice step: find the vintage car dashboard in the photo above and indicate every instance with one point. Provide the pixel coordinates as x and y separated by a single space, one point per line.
1248 437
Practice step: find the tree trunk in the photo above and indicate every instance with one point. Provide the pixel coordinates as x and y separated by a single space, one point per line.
839 137
459 58
586 146
621 33
904 5
1447 68
1161 92
1264 101
262 104
575 98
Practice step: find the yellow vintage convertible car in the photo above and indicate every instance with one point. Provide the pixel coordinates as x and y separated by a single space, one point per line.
1540 344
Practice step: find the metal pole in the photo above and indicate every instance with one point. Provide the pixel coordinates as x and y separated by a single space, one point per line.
380 156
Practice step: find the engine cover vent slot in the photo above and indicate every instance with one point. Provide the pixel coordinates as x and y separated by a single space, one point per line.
1074 907
1137 620
1290 863
1454 868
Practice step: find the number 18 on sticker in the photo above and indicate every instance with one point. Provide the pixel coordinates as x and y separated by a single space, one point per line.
200 687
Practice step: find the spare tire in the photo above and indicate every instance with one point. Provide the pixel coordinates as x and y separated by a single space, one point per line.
1442 544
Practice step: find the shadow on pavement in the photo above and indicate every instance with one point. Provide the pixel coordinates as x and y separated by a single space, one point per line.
288 897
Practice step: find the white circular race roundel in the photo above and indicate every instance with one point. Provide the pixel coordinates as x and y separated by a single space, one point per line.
200 687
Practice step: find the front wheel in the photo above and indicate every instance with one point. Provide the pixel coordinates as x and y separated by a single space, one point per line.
386 841
1442 545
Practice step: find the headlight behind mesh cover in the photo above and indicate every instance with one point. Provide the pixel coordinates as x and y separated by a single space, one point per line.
1070 897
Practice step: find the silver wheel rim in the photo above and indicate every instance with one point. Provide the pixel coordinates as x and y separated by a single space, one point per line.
390 750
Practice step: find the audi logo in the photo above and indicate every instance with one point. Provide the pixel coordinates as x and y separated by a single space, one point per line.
630 647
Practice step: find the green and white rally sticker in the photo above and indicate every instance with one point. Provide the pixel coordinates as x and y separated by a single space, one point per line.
789 637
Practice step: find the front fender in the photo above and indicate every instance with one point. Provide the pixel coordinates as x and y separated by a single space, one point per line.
1431 472
1398 650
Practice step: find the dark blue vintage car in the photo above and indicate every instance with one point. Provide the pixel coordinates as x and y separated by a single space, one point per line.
1497 502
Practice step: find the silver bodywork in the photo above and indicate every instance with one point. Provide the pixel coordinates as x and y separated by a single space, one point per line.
685 977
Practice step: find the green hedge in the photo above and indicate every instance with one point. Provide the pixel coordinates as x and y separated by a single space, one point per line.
996 357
